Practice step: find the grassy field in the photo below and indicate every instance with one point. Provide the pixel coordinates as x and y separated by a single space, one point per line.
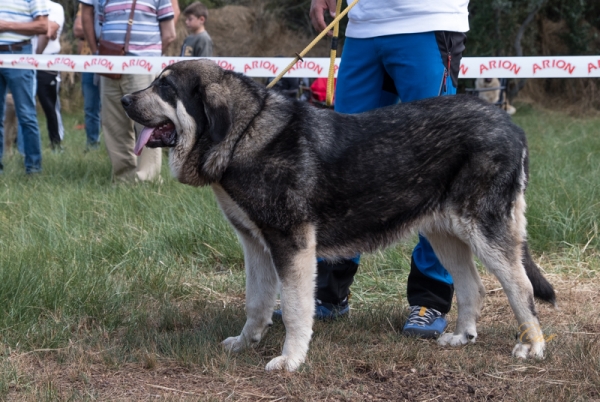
112 292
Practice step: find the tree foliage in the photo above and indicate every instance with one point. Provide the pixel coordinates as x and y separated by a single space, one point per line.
495 24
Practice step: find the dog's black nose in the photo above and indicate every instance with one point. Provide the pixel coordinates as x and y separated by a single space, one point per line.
126 101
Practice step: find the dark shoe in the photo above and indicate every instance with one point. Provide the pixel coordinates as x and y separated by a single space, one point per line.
325 311
92 146
57 148
424 322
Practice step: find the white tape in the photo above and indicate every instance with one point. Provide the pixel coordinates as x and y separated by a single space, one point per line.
471 67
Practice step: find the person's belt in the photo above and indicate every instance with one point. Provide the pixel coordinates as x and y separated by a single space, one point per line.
14 46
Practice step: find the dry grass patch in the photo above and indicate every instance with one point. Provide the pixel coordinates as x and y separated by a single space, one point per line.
360 358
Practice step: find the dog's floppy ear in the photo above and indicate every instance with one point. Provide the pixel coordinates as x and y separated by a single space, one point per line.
217 112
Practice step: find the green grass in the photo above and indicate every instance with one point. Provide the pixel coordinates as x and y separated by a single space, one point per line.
564 190
74 245
153 271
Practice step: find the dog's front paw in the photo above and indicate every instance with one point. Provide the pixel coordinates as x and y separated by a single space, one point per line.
234 343
526 350
456 340
284 362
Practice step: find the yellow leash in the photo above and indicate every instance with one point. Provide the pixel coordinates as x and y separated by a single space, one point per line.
334 24
332 54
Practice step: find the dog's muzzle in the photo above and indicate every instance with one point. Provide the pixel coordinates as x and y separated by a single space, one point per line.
161 135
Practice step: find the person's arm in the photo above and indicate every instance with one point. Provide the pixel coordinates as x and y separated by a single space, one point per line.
176 10
167 33
78 31
78 27
317 9
42 40
53 28
38 26
87 22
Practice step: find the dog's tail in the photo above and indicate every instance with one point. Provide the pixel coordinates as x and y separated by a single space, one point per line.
542 289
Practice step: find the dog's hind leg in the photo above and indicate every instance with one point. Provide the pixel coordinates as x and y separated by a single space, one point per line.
261 289
295 259
457 258
504 260
509 270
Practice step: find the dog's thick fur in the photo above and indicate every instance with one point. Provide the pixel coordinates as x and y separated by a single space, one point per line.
297 182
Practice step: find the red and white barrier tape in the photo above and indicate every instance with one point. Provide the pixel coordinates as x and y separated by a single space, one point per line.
471 67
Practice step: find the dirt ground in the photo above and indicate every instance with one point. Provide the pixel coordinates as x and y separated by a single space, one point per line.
351 359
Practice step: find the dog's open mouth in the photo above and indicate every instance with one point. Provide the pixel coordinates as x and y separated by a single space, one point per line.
163 135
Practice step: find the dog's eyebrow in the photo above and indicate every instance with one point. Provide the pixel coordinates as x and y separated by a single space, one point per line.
167 78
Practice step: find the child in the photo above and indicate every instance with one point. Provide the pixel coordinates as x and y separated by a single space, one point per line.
198 43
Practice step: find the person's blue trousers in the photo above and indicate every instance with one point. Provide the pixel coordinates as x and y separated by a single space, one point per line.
91 107
22 86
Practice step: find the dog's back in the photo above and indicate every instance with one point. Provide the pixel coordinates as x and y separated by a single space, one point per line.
395 167
423 155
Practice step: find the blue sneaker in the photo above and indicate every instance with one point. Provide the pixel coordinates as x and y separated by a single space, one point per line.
326 311
424 322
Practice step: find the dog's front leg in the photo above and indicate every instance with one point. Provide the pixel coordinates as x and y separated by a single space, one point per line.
296 263
261 289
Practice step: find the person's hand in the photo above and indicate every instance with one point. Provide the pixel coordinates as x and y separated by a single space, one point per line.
317 9
3 26
53 28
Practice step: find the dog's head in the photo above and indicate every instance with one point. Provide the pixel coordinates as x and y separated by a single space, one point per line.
191 107
185 97
487 82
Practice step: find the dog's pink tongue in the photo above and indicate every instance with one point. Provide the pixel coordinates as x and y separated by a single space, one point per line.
142 140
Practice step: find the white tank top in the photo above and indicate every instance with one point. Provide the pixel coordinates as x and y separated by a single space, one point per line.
371 18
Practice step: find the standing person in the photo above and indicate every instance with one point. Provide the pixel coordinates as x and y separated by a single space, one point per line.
19 21
48 82
90 89
396 50
198 43
152 31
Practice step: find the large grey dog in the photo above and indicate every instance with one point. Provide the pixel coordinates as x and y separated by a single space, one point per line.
297 182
